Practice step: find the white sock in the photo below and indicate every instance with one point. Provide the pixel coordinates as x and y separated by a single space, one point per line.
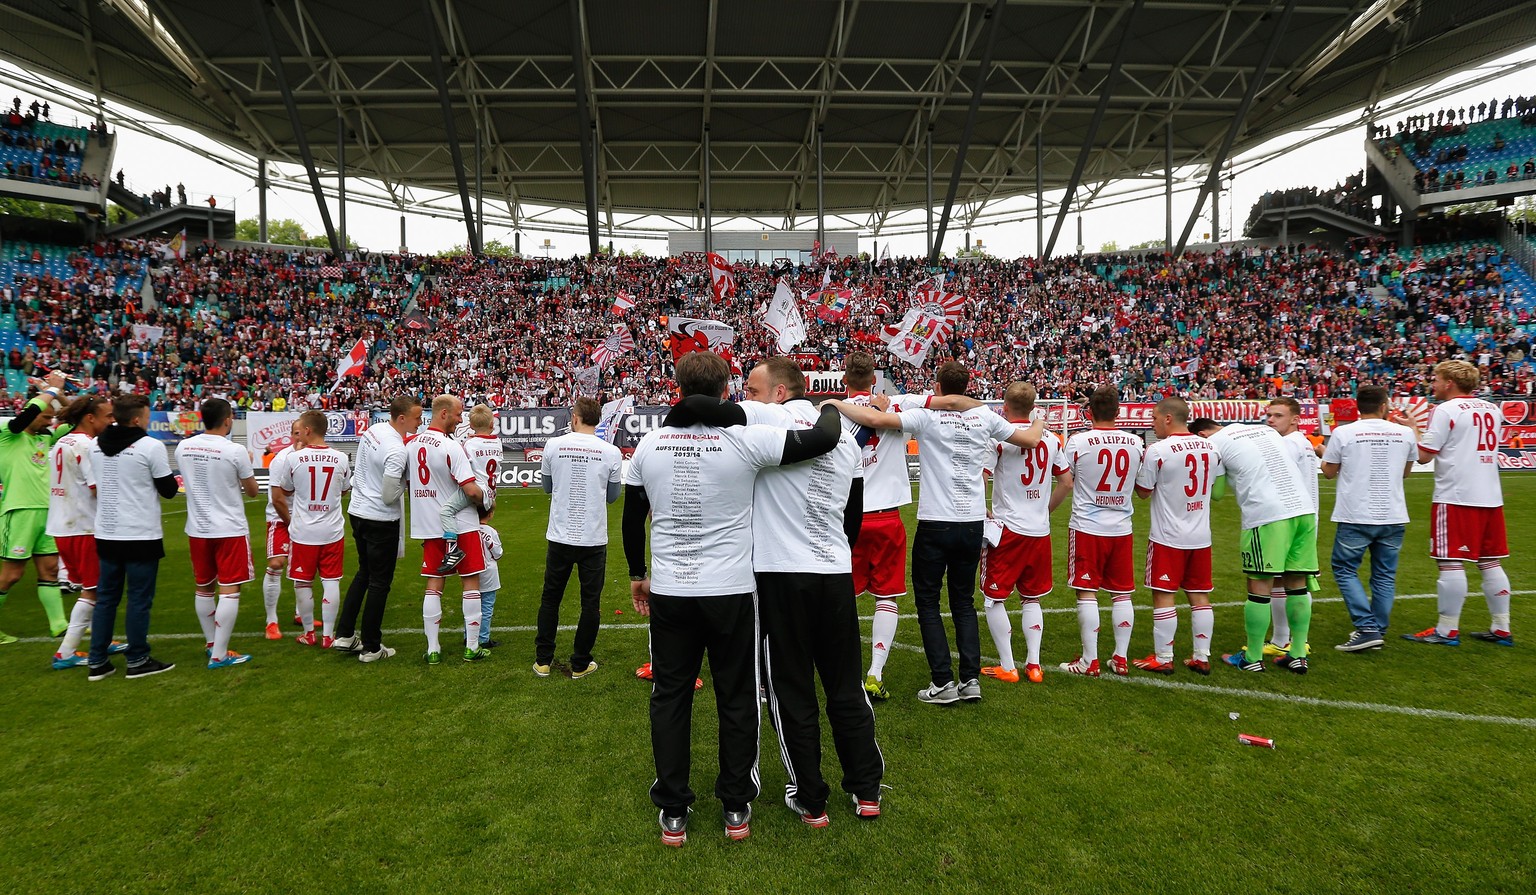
304 602
1202 627
1002 635
1496 590
432 619
882 635
1123 616
1280 623
330 604
1451 589
224 621
1165 626
79 620
1033 622
206 604
271 589
472 615
1088 627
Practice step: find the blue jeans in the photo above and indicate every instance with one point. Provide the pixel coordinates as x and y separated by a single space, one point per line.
487 606
1369 614
139 577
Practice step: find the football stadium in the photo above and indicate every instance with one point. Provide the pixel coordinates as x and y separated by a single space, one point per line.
768 489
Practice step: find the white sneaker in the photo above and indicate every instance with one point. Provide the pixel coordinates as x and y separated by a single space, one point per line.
353 644
970 691
384 653
933 694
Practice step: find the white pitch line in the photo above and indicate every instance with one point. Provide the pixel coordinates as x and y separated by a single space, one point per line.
526 629
1379 707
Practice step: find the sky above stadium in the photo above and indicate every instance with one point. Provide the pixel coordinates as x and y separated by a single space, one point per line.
1119 217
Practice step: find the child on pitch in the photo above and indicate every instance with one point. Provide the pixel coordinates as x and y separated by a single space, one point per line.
482 424
490 579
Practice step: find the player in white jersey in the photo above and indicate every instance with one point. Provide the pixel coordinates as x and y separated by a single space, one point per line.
277 536
438 468
880 552
581 473
483 447
216 474
1279 535
1467 513
310 496
1284 416
1178 473
72 516
696 485
1104 463
1017 553
1370 457
954 448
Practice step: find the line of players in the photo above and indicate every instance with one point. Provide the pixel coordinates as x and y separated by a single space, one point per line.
1101 469
1271 468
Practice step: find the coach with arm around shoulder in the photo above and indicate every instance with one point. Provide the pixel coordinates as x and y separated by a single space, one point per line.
954 443
581 473
133 472
695 483
376 510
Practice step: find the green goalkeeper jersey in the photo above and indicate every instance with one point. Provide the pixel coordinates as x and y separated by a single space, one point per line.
24 469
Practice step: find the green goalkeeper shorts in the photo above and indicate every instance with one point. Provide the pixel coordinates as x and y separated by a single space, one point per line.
23 532
1283 547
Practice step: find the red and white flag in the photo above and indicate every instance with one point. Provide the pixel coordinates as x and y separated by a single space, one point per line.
1187 368
722 278
931 319
332 271
689 334
783 318
616 344
623 302
351 363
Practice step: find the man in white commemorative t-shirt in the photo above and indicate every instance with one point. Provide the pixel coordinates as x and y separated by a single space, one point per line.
1284 416
1370 457
310 493
72 514
133 474
217 476
953 450
804 519
375 511
695 483
1178 473
1279 535
582 474
438 469
277 536
1467 514
1017 553
1104 463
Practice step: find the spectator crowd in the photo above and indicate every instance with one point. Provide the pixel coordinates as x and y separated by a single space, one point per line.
265 329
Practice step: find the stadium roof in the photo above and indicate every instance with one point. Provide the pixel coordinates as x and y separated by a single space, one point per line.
872 74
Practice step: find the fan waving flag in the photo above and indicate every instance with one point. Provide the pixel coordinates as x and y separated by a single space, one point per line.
351 363
931 320
616 344
1187 368
623 302
689 335
722 280
832 304
783 318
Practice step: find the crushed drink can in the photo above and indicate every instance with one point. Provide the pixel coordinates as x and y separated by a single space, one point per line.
1248 739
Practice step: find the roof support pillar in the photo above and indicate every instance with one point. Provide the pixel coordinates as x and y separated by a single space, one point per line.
996 15
1110 80
1213 177
434 42
821 208
709 228
1168 187
264 21
1040 194
928 173
586 128
261 198
341 181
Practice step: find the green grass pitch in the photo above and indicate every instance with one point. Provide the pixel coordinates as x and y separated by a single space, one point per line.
1406 770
